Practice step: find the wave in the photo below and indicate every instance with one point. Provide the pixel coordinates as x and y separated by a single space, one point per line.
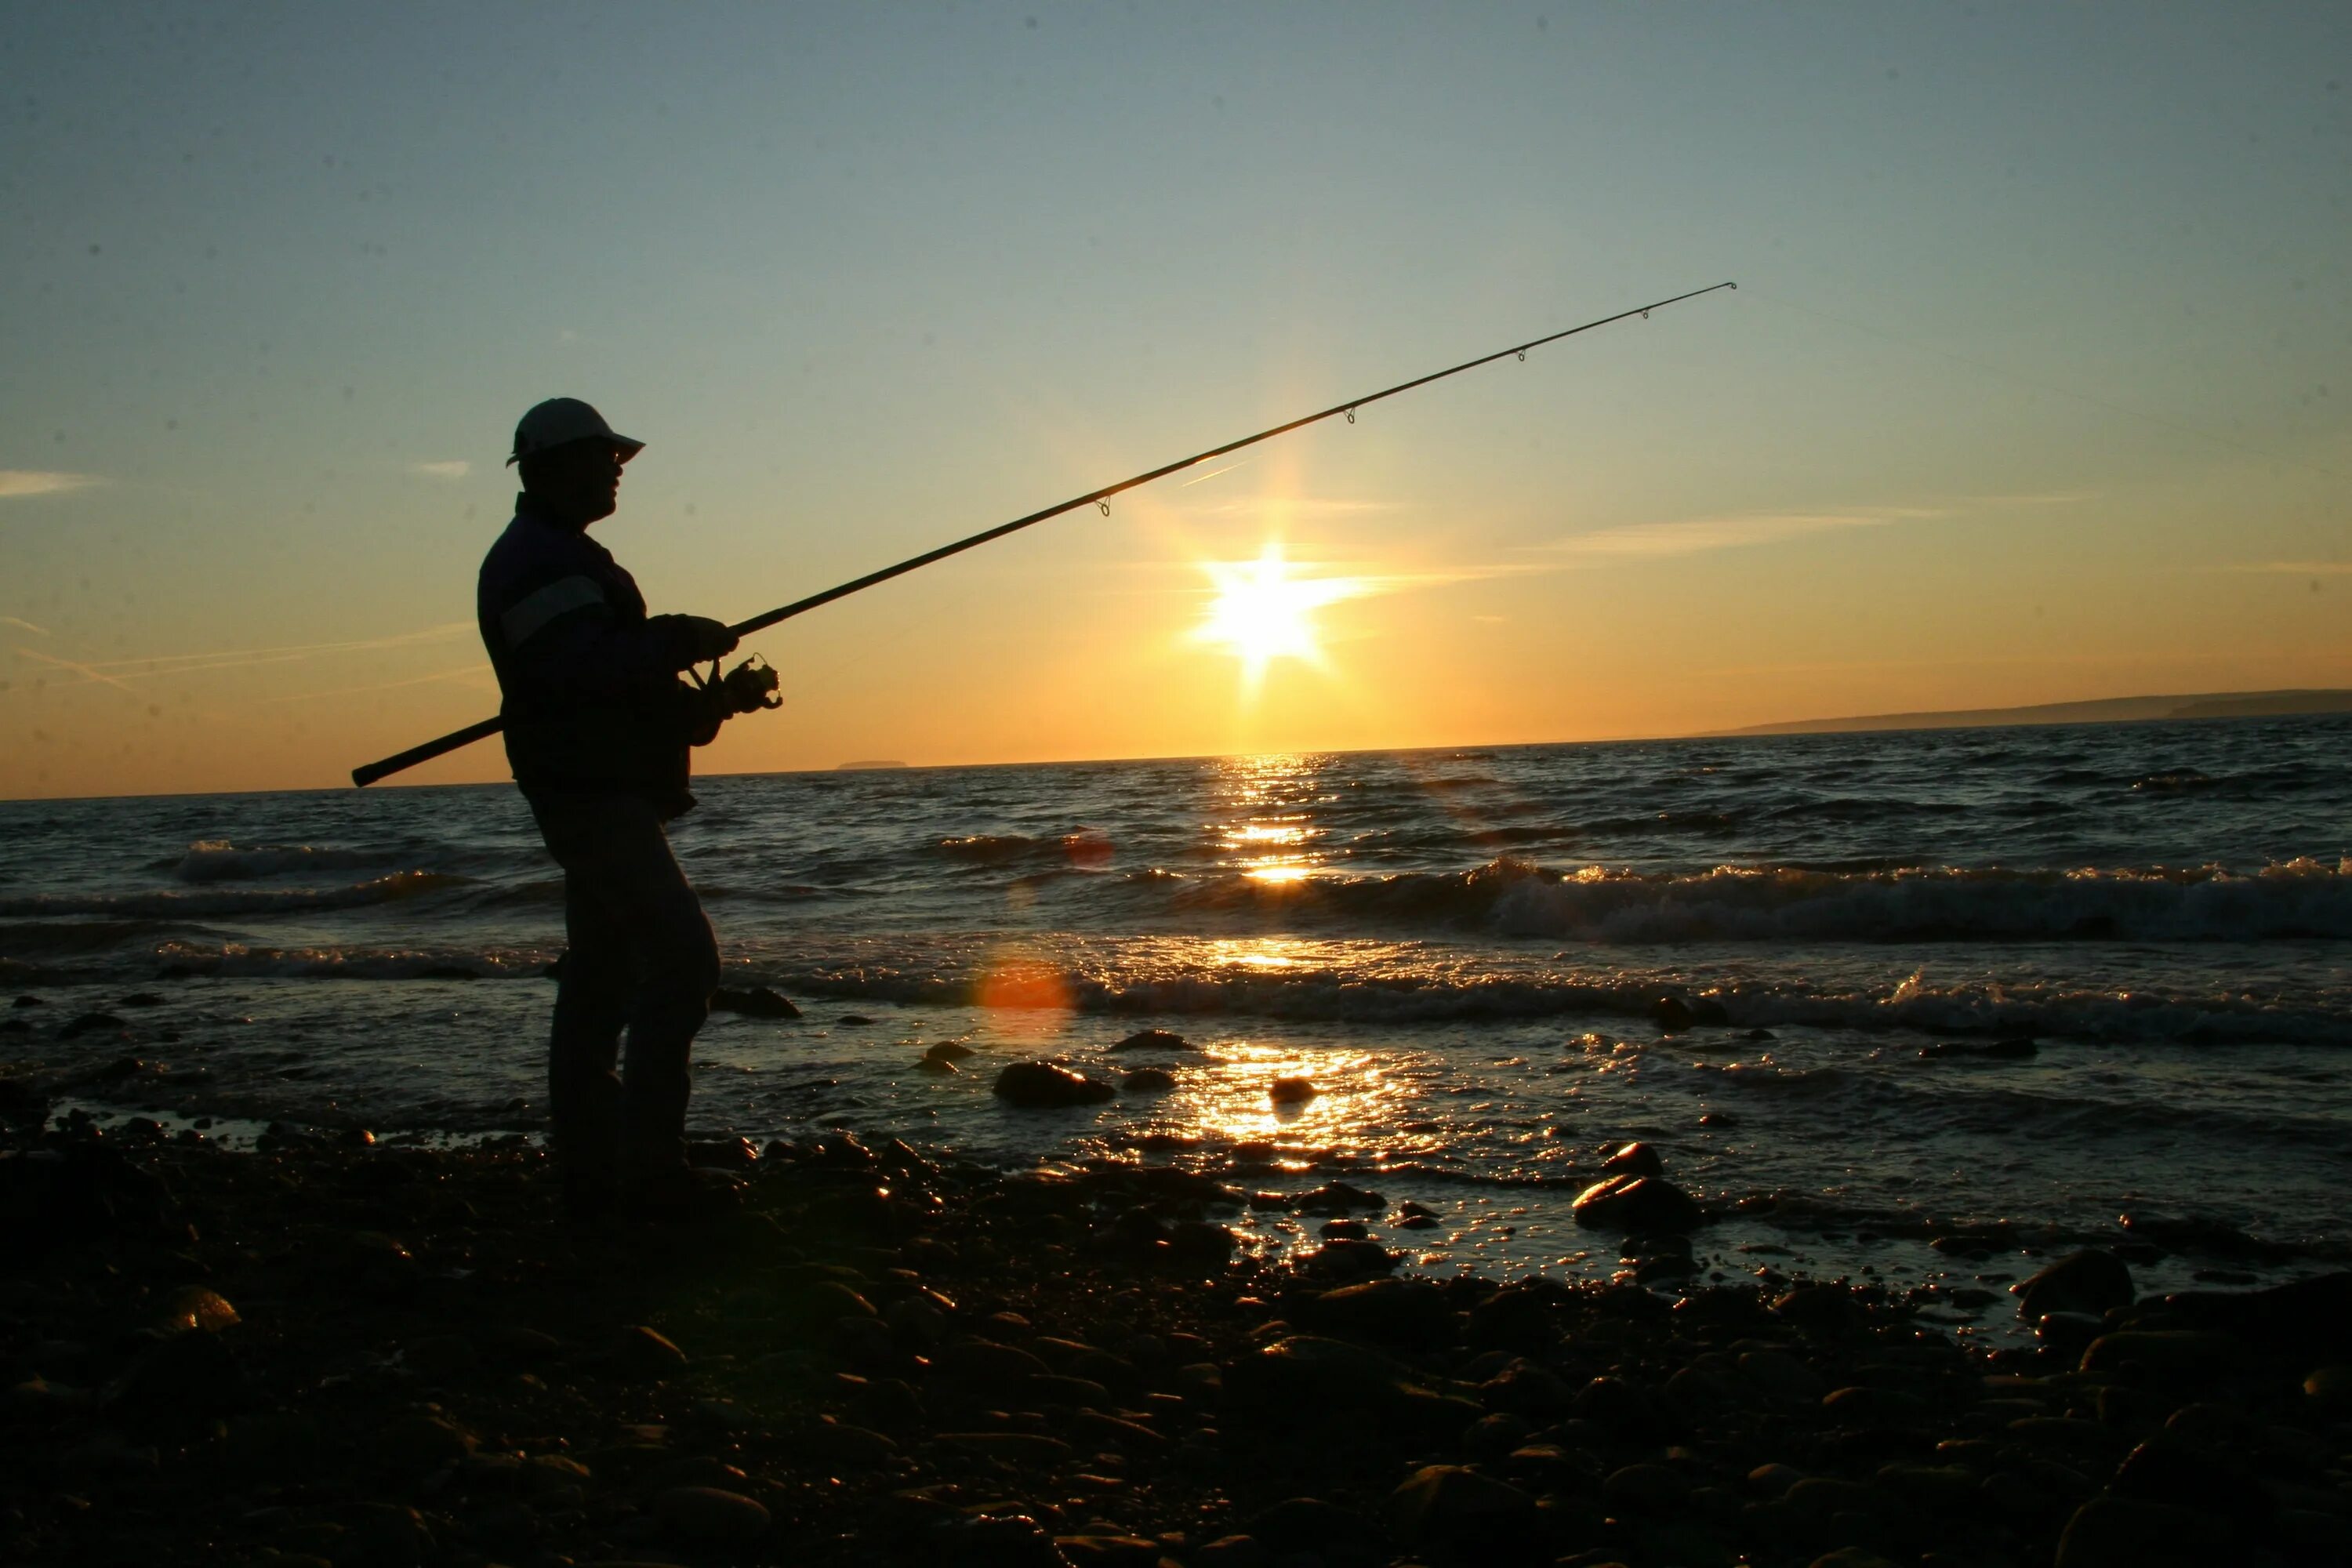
1083 847
1306 994
219 860
238 960
169 905
2303 898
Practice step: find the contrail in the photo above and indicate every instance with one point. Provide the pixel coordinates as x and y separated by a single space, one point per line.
86 671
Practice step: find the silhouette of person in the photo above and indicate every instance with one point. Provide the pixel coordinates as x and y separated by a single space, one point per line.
598 728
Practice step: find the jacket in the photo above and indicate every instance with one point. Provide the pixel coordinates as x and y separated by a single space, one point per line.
592 700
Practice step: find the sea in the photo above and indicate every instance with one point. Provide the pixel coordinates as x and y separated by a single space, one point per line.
1928 1006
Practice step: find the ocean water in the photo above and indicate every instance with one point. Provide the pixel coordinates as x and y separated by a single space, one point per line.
1466 950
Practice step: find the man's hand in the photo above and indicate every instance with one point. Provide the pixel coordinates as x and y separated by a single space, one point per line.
698 640
749 685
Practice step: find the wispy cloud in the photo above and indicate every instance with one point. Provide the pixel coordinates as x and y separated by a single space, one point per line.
16 482
114 671
23 625
468 674
451 469
2291 568
87 671
1692 536
1285 508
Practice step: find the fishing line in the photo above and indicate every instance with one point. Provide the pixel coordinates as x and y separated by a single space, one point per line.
372 772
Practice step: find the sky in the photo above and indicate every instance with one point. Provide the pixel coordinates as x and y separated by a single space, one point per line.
2034 387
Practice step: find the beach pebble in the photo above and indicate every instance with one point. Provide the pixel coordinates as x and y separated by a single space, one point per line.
1637 1203
1645 1488
1302 1525
419 1444
753 1002
1634 1160
1335 1198
1403 1312
1457 1506
1233 1552
641 1352
1292 1090
711 1514
2091 1280
1043 1086
1153 1040
2127 1532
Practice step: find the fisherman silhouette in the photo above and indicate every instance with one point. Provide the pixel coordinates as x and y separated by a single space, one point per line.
598 728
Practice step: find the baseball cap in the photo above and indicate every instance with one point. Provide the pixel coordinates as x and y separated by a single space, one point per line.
560 421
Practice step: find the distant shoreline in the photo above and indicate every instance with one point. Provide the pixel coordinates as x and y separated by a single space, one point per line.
2104 711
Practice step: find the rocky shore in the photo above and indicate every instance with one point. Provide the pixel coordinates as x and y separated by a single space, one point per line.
329 1350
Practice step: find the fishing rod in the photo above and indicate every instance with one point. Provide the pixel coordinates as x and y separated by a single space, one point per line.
372 772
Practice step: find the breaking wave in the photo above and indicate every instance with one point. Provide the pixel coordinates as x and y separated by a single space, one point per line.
2298 898
219 860
169 904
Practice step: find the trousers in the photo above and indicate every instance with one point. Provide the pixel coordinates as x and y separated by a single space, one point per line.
641 956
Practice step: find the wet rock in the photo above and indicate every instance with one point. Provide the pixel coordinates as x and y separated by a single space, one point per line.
1672 1014
1343 1230
1335 1198
1519 1317
1201 1244
1864 1406
643 1352
1148 1081
23 1103
1634 1160
2124 1533
420 1443
1528 1388
1622 1408
1458 1507
1029 1449
2192 1352
1637 1203
2167 1470
1782 1376
1408 1314
1046 1087
937 1065
1107 1551
1645 1488
1233 1552
1301 1525
948 1051
997 1541
1851 1557
90 1023
1292 1090
709 1514
192 1308
754 1001
1153 1040
1819 1307
2091 1280
1343 1258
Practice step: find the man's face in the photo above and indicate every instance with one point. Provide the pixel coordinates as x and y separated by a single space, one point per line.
580 479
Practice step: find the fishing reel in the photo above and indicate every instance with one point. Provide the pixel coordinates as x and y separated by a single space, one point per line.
750 685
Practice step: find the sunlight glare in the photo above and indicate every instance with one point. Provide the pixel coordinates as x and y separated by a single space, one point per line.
1262 612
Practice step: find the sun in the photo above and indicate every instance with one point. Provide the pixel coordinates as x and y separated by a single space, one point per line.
1263 613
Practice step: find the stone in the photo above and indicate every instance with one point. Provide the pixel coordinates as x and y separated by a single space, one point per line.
1634 1160
2091 1280
1153 1040
1645 1488
1301 1525
1865 1407
1342 1257
752 1002
1456 1506
1782 1376
1042 1086
710 1514
1107 1551
1031 1448
1407 1313
1292 1090
2166 1351
948 1051
420 1443
2329 1390
194 1309
2124 1533
1148 1081
1637 1203
1335 1198
1233 1552
2166 1469
1849 1557
641 1352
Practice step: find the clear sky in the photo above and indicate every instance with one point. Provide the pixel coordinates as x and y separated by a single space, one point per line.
2036 386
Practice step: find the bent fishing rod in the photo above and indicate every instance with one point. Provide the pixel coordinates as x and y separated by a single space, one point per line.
456 739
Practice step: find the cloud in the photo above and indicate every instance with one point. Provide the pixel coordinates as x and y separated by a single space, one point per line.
1290 507
452 469
2291 568
113 670
43 482
23 625
1692 536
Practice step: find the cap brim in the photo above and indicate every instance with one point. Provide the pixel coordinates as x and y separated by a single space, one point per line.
626 447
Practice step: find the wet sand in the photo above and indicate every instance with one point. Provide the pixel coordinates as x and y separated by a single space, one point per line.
329 1350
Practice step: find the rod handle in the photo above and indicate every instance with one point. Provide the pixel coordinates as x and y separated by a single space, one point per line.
369 773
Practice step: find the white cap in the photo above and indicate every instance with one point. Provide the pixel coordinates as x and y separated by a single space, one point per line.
559 422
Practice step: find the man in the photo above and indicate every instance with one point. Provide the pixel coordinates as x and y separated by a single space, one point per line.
597 729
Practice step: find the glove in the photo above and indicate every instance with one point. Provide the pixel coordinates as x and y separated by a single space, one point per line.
697 639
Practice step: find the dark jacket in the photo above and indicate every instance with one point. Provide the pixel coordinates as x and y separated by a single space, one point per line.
592 701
